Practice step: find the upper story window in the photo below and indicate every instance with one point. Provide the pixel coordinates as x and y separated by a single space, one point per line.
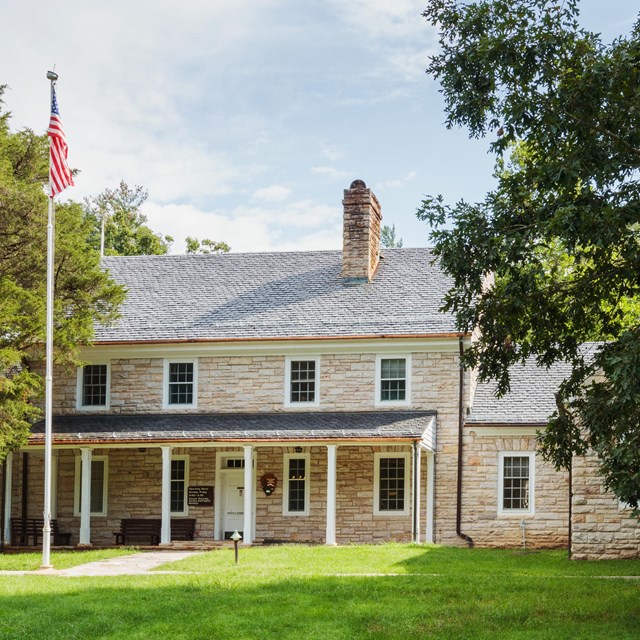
296 488
393 380
516 482
180 384
391 482
93 386
301 382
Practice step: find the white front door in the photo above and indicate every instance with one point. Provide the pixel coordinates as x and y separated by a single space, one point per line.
232 502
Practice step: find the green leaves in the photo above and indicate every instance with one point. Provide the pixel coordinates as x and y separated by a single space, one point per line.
559 234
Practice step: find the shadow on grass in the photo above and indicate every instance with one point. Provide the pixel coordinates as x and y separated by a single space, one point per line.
349 608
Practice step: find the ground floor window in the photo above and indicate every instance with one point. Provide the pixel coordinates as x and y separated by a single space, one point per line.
179 481
391 480
296 489
516 482
99 474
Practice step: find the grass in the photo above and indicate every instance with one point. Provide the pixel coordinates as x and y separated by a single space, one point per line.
59 559
295 592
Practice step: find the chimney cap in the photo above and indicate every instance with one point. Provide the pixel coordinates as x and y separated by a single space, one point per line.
358 184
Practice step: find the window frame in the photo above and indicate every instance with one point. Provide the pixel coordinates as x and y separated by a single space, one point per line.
165 384
289 360
378 382
185 511
80 388
285 475
532 483
379 455
78 480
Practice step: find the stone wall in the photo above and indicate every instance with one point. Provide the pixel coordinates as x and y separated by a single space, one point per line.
134 490
602 527
546 527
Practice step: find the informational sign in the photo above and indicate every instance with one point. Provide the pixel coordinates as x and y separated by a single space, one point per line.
200 496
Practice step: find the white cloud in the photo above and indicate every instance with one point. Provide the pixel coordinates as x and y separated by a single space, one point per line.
398 182
331 172
274 193
297 226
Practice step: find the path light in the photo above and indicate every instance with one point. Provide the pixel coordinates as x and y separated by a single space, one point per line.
236 537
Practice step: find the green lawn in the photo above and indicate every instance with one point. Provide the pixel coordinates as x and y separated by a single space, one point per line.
59 559
300 593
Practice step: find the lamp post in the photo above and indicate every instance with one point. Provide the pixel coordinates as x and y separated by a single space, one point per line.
236 537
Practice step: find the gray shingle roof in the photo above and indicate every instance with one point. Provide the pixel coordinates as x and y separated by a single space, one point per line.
532 396
269 295
239 427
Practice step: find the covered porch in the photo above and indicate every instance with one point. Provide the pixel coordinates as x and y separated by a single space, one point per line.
331 478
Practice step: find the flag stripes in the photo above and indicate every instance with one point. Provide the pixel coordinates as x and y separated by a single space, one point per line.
59 173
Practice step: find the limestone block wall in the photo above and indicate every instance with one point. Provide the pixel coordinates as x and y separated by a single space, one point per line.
134 490
602 527
547 527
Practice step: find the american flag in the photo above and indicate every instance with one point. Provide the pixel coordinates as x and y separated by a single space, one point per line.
59 173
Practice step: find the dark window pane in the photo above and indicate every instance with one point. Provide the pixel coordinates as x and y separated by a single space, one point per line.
94 385
515 489
391 489
297 480
303 381
181 383
97 487
178 482
393 379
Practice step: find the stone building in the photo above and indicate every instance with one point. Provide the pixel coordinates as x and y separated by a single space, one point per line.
304 396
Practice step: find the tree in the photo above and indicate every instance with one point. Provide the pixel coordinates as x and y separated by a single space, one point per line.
560 232
206 246
125 229
388 237
83 292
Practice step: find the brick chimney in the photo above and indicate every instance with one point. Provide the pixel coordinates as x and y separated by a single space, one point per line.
361 233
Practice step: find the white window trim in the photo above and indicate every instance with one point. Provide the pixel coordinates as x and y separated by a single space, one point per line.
165 384
378 386
287 382
79 389
78 480
185 512
285 493
376 483
532 483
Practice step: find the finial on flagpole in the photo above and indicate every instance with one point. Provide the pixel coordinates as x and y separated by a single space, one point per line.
52 75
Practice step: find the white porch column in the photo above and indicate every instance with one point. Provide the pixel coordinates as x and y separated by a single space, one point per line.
415 511
431 476
331 494
8 475
165 529
247 533
85 502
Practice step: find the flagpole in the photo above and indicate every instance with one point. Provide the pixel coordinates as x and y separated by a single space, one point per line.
48 410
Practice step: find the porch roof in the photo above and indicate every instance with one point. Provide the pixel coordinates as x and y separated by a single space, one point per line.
234 427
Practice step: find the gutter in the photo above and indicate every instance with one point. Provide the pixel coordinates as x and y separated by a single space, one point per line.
459 533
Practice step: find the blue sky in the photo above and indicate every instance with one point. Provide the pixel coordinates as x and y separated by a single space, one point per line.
246 120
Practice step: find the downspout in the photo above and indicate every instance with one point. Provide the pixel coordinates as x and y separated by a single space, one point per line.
570 541
416 493
459 533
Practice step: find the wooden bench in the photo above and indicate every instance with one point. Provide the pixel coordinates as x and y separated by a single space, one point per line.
138 529
149 529
23 529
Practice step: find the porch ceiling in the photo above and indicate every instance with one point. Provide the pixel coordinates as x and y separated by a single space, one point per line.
234 427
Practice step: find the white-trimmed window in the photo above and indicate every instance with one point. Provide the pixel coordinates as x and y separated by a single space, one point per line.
393 380
179 484
180 389
516 482
391 484
296 484
99 482
93 387
302 376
